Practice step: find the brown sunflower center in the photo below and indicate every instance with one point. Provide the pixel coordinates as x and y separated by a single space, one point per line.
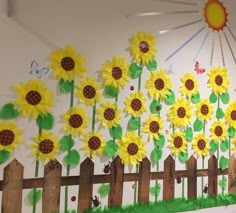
136 104
233 115
46 146
116 73
201 144
218 80
178 142
181 112
154 127
94 143
6 137
159 84
189 84
68 63
204 109
33 97
218 131
89 91
132 149
109 114
144 46
75 120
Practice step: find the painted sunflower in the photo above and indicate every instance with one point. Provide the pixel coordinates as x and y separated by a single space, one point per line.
158 85
45 146
204 110
109 115
75 121
200 145
189 86
153 126
88 91
177 143
142 48
218 131
218 80
67 64
33 98
135 104
230 114
115 72
180 113
93 144
131 148
10 136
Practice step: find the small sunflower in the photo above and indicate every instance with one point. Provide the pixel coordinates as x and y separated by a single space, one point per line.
33 98
204 110
115 72
153 126
142 47
135 104
109 115
218 131
88 91
189 86
158 85
218 80
230 114
93 144
10 136
200 145
67 64
131 148
76 120
46 146
180 113
177 143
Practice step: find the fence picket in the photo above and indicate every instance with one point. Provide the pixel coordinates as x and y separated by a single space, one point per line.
192 177
212 175
232 175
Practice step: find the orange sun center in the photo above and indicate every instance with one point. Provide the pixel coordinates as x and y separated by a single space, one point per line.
215 15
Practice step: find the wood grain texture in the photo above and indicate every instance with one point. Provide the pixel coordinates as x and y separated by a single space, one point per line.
192 177
232 175
212 175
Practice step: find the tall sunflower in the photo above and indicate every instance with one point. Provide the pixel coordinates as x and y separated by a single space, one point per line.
142 47
189 86
131 148
204 110
230 114
115 72
158 84
10 136
218 131
200 145
33 98
177 143
67 64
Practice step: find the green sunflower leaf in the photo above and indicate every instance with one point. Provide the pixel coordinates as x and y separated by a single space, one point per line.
183 156
66 143
155 190
155 107
224 145
8 111
72 158
45 121
196 98
213 146
189 134
4 155
231 132
170 99
223 162
110 148
104 190
116 132
197 125
66 86
225 97
223 183
111 92
135 70
160 142
213 98
34 196
152 65
133 124
156 154
219 113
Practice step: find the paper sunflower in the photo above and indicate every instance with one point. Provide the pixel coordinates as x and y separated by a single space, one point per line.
67 64
135 104
180 113
75 121
33 98
189 86
10 136
177 143
218 131
230 114
142 48
88 91
158 85
131 148
46 146
153 126
93 144
115 72
200 145
218 80
108 114
204 110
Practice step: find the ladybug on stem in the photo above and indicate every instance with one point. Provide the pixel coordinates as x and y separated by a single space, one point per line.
96 201
107 168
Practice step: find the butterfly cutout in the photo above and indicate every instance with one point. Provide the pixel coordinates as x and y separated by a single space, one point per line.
198 69
34 70
170 70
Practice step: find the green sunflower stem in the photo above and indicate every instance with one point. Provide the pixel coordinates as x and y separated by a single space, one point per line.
135 187
156 183
93 119
139 83
229 146
36 173
202 177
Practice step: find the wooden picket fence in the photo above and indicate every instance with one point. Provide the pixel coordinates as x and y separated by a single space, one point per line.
13 182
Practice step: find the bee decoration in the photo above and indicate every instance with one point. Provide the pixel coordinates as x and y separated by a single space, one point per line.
178 179
96 201
205 190
107 168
